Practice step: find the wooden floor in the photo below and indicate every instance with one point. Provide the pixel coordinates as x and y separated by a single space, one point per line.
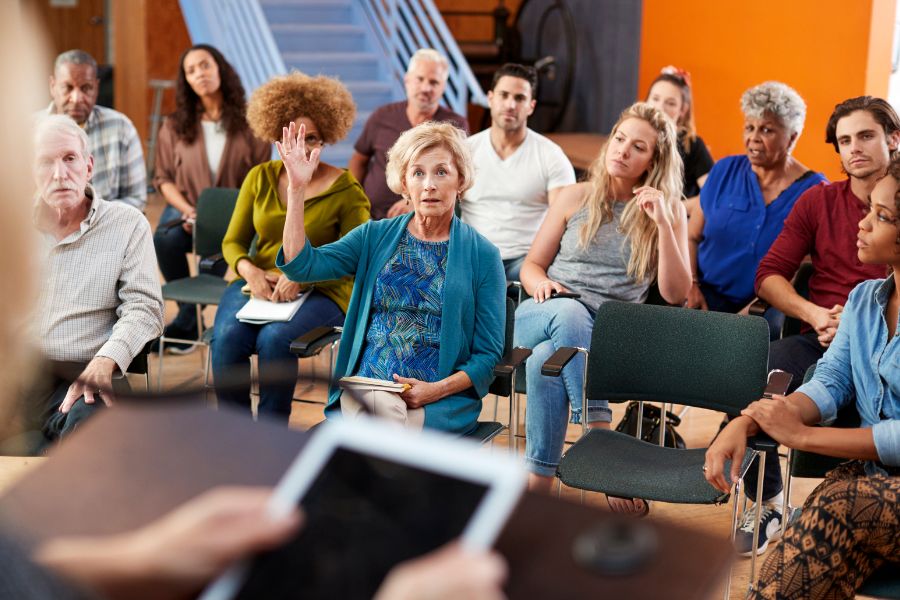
698 428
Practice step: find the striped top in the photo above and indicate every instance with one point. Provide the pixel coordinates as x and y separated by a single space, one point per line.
404 336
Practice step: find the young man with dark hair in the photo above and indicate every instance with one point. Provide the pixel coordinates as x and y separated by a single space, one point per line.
823 224
518 171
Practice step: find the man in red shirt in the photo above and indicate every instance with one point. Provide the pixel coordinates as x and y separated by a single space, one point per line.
823 224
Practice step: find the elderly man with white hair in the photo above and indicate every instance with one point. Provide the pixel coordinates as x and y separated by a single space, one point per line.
425 81
101 301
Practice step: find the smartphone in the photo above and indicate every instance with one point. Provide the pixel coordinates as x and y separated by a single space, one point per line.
555 294
778 383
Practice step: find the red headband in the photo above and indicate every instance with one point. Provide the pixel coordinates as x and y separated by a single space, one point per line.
684 75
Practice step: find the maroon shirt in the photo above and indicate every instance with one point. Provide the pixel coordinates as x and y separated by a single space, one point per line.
382 129
823 223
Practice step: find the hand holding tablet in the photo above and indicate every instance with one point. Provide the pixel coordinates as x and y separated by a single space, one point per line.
375 496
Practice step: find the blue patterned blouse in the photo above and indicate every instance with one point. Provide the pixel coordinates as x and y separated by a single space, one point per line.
405 331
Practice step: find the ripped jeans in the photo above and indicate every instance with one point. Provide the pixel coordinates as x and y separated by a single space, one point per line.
545 328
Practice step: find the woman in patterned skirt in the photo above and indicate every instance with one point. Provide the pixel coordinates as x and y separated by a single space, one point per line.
850 524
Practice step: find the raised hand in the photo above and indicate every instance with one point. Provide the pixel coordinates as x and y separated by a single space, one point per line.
292 150
651 202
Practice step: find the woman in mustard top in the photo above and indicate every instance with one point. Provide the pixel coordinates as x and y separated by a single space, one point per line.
335 204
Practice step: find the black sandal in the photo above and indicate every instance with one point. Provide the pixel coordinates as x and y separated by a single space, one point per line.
637 515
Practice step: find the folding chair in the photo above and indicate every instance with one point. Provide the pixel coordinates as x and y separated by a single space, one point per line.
214 208
694 358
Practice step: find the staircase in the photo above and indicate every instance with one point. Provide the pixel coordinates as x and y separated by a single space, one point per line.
364 43
330 37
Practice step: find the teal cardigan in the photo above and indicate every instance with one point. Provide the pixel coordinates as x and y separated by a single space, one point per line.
473 315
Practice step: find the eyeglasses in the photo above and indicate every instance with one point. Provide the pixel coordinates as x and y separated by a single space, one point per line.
313 141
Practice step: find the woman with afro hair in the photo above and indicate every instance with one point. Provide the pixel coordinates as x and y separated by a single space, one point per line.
205 143
335 204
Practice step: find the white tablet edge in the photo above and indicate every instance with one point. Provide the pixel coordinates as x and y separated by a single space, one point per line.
502 474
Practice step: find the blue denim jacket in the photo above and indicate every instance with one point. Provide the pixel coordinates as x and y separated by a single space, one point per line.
863 363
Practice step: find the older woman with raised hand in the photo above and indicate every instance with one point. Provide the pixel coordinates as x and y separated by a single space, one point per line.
334 205
428 305
205 143
746 199
606 239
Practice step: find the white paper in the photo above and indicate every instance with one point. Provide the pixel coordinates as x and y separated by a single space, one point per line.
260 312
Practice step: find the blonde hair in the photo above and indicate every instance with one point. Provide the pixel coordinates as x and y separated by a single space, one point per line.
664 174
421 138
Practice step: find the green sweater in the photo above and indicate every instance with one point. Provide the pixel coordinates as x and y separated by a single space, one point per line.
260 212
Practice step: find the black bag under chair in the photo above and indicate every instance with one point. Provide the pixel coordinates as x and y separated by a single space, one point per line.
650 427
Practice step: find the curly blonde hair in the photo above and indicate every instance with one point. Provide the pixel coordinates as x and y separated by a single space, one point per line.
428 136
323 100
664 174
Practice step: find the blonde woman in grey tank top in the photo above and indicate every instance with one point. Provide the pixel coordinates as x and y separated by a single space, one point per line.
605 239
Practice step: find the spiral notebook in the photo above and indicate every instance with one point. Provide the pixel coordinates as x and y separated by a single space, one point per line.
260 312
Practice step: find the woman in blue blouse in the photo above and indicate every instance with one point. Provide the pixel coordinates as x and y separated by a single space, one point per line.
745 200
848 527
428 303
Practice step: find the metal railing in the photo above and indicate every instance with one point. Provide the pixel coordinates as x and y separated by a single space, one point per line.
404 26
238 28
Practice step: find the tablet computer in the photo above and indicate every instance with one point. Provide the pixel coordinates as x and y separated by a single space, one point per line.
375 495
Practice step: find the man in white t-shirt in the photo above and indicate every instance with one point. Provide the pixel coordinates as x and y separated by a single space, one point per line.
518 172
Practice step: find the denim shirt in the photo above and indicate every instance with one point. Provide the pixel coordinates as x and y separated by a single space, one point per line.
863 363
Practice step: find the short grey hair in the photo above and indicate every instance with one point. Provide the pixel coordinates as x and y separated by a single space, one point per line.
779 100
422 138
75 57
429 55
47 124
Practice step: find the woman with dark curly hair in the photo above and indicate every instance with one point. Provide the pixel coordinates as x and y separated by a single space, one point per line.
205 143
335 203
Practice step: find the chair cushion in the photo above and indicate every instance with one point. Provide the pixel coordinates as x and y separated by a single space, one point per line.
202 289
485 432
609 461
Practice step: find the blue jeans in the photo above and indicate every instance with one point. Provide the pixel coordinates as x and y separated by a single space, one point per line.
234 342
172 245
545 328
512 267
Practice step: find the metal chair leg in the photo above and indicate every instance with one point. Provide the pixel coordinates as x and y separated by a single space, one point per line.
662 425
759 491
738 488
786 504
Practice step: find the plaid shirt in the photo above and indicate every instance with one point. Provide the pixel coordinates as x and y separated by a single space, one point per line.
119 172
101 293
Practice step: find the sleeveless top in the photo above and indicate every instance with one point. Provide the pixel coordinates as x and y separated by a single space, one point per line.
598 273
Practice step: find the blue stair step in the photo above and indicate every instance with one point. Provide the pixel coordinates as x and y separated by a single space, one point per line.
307 11
346 66
339 154
293 37
369 95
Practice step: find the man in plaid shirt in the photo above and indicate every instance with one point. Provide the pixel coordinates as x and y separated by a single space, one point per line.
119 172
100 301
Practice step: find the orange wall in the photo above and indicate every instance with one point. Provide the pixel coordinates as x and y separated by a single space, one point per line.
828 50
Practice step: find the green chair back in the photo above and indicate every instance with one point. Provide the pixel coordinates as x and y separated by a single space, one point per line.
689 357
214 209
